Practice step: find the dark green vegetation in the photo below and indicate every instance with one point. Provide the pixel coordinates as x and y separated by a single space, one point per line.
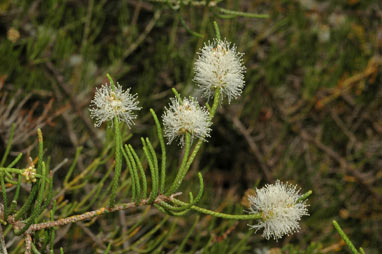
311 114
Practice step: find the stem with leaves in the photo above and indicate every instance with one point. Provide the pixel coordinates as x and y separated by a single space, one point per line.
118 156
347 240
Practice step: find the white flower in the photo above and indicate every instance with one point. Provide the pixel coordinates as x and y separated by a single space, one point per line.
186 116
219 65
109 103
280 208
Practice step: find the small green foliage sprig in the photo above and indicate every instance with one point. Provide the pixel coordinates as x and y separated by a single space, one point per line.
277 208
346 239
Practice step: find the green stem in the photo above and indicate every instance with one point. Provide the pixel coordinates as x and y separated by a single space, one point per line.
17 171
135 173
187 28
184 241
244 14
139 164
16 196
344 236
74 163
37 208
184 209
4 193
156 167
185 167
217 31
132 173
215 103
150 233
52 230
200 141
40 151
221 215
27 204
111 81
154 187
176 95
305 196
15 160
182 170
118 162
163 149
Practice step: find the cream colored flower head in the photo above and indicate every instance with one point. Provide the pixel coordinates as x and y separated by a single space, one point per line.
280 207
109 103
184 117
219 65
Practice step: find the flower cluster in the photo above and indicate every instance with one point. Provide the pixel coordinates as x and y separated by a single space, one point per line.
219 65
109 103
30 174
183 117
280 207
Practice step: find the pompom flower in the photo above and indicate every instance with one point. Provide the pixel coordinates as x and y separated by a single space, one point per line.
186 116
109 103
280 207
219 65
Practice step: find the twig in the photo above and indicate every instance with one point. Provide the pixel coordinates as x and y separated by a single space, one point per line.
342 126
91 235
136 12
254 148
62 163
3 249
95 213
371 69
61 233
225 234
343 163
143 5
124 229
143 35
28 243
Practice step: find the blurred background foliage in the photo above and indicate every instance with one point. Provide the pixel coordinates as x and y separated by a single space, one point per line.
311 113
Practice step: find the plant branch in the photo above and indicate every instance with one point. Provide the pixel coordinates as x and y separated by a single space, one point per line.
118 162
221 215
96 213
28 243
3 249
346 239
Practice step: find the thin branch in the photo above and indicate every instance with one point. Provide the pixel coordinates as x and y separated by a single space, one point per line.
123 224
341 161
91 235
143 35
28 243
254 148
3 249
143 5
96 213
